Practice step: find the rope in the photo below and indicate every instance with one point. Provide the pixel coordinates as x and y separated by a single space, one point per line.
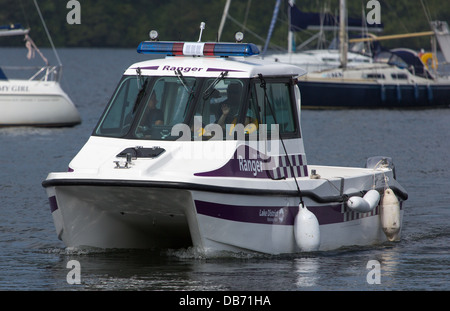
266 101
48 34
426 11
386 178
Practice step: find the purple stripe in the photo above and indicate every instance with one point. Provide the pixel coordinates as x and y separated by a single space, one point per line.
328 214
251 214
53 204
272 215
148 68
220 70
305 170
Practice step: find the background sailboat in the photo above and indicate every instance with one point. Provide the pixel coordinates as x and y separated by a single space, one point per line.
398 79
324 56
395 83
37 100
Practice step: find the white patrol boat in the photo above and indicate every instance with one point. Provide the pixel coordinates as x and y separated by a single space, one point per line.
204 148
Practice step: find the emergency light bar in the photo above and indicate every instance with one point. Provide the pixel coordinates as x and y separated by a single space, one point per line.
197 48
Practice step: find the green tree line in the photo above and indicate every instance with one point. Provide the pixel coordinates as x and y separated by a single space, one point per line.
125 23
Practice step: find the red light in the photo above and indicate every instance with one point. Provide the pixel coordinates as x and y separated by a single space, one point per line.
208 50
178 48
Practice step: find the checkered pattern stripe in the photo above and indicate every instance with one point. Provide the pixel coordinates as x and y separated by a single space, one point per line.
283 169
352 215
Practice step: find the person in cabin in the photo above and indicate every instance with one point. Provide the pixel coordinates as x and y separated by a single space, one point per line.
230 107
153 115
251 122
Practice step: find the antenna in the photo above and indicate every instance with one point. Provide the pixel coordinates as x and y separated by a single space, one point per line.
202 27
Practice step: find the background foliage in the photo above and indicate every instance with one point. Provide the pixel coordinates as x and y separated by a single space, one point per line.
124 23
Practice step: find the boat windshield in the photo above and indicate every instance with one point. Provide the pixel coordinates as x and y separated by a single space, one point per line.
192 108
141 104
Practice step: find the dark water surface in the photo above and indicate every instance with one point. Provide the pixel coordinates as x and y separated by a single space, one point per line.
32 258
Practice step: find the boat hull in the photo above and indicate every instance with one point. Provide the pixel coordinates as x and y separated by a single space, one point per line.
36 103
329 95
110 214
120 217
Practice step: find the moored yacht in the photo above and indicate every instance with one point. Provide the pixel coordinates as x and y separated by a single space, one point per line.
379 85
395 79
204 148
38 99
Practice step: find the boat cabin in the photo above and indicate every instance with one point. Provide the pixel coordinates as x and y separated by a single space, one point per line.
203 91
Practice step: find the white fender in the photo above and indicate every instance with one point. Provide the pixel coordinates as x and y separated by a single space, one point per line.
390 215
306 230
365 204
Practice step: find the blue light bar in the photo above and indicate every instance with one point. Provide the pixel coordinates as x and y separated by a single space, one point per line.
235 49
197 48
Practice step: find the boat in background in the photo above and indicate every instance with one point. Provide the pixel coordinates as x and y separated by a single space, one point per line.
324 56
318 60
38 100
204 149
396 79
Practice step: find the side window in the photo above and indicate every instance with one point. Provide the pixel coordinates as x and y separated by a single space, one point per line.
253 114
276 107
117 119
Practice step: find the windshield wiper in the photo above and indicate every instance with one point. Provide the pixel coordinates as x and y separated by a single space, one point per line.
182 80
190 92
208 92
142 90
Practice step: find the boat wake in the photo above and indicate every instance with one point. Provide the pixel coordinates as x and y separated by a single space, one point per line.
27 131
433 234
196 253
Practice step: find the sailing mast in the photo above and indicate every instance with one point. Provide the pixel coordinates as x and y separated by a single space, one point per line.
343 39
224 18
290 33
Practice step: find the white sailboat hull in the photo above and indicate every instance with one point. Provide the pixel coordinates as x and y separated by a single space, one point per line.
36 103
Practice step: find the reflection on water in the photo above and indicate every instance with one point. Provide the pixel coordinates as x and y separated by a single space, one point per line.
306 270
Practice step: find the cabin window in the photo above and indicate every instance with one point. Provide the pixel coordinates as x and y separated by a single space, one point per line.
219 109
232 109
399 76
116 120
219 97
193 108
276 107
374 76
147 107
168 104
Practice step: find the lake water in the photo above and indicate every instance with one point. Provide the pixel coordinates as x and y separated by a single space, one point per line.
33 259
